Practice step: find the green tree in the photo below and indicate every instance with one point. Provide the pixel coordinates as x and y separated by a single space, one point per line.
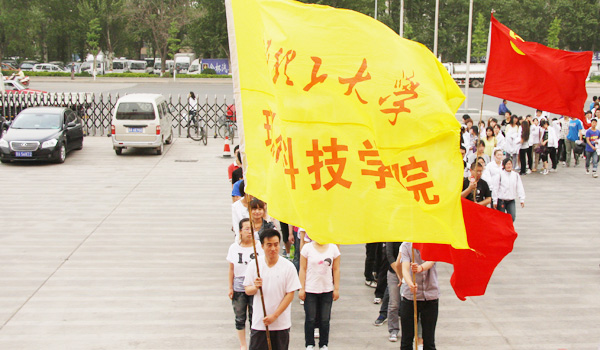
553 33
480 36
93 39
173 41
207 34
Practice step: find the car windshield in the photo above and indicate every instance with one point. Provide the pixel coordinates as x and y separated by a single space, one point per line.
27 65
37 121
138 65
117 65
135 111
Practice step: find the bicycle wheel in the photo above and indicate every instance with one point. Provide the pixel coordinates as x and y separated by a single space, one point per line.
194 132
204 136
233 131
223 131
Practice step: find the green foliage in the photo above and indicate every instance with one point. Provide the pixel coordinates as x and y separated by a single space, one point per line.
207 34
595 79
209 71
93 35
480 36
130 75
173 41
553 33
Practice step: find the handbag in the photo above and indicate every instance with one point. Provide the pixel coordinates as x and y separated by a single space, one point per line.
539 149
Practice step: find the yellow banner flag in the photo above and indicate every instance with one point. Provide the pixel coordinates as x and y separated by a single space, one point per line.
348 129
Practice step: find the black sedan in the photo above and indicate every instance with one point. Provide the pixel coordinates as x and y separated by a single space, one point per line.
42 133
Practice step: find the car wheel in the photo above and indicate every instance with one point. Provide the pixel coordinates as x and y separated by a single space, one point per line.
118 151
4 161
476 84
159 150
170 139
62 154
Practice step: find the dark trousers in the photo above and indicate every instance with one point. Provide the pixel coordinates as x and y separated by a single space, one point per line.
280 340
382 269
370 265
525 153
428 313
553 156
317 306
508 206
562 150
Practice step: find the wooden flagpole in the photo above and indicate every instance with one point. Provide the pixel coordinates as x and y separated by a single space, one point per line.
414 277
262 297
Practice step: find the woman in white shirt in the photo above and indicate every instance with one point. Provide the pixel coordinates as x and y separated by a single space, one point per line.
240 255
193 106
511 134
500 139
320 280
509 187
534 140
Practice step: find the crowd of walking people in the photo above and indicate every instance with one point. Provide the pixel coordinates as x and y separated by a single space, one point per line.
281 259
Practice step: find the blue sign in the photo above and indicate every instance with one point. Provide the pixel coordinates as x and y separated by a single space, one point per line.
220 65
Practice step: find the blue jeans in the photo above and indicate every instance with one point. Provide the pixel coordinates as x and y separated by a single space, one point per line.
317 306
242 302
510 207
593 156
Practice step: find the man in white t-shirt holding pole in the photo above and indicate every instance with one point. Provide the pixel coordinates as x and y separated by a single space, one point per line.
279 280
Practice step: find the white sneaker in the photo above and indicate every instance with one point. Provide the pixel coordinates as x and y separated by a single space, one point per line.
377 301
393 337
421 347
310 347
587 171
552 170
594 174
324 347
545 172
301 302
528 171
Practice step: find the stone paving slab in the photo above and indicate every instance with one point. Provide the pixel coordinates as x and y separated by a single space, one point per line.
107 252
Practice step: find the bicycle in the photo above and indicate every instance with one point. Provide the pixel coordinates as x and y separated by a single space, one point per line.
196 131
228 126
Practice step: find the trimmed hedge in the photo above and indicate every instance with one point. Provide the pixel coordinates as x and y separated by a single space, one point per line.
595 79
115 75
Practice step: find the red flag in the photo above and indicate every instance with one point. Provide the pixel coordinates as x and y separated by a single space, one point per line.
491 236
535 75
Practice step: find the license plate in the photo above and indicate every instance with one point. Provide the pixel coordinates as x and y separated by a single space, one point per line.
136 130
23 154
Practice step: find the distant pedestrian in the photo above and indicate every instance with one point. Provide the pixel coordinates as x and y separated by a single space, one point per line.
503 108
240 255
279 280
574 135
474 183
594 100
592 137
525 149
549 142
394 280
320 281
509 187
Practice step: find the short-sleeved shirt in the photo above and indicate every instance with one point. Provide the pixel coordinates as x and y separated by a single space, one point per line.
241 257
278 280
483 190
235 191
319 268
592 136
426 281
575 125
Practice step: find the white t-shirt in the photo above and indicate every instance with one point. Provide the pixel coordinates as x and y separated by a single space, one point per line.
238 212
278 280
319 268
240 257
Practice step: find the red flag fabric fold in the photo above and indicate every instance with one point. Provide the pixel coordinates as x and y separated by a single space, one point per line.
491 236
535 75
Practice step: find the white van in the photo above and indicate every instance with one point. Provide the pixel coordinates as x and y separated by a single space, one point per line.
120 66
194 67
141 121
137 66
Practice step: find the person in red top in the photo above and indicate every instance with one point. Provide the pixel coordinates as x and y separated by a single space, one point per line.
236 163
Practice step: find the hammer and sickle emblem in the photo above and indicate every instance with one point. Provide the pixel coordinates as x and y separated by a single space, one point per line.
512 44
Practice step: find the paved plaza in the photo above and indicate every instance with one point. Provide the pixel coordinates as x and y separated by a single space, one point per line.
108 252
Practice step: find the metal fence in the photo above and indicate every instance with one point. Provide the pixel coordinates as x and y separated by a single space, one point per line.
96 110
